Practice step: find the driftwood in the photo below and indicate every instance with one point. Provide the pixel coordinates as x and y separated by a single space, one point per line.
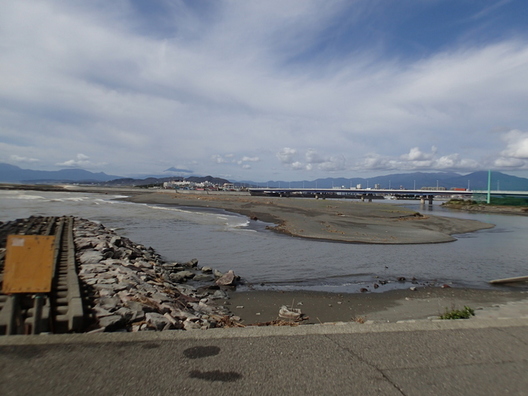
509 280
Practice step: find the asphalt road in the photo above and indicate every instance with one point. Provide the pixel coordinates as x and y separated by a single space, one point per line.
471 357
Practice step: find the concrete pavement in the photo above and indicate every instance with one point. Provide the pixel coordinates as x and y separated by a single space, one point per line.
463 357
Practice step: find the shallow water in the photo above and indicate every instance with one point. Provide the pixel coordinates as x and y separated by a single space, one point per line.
267 260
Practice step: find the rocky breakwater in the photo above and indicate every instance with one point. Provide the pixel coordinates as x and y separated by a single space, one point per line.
130 288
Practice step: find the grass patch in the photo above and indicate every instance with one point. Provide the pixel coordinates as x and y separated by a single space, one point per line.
465 313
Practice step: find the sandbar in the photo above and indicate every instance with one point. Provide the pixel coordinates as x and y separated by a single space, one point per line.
336 220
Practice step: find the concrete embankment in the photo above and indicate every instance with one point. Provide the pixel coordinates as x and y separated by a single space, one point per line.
460 357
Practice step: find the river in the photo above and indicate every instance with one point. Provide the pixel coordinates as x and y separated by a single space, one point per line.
266 260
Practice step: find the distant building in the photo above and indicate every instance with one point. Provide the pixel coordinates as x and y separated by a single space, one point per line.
178 184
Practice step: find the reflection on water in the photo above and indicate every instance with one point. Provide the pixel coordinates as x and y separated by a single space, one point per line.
268 260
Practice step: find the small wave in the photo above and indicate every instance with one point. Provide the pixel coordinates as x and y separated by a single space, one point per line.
173 209
28 197
244 224
231 222
243 229
359 278
71 199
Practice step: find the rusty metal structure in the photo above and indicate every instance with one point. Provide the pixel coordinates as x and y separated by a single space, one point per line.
38 274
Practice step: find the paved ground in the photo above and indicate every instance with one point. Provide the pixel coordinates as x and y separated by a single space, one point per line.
463 357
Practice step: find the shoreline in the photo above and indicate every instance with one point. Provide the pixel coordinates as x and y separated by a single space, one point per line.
427 303
317 219
493 209
330 220
261 307
327 307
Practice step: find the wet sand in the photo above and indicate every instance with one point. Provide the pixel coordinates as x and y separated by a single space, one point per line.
336 220
263 306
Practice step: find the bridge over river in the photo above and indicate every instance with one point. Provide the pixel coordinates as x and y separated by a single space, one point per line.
375 193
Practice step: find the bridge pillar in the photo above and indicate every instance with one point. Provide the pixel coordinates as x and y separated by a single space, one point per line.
362 197
430 199
422 200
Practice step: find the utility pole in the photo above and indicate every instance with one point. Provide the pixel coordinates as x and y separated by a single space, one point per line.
488 200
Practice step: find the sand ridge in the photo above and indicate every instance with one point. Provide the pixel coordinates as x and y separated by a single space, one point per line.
336 220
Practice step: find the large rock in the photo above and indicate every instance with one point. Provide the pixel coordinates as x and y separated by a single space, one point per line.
219 294
202 278
228 279
158 321
139 307
129 315
192 264
86 242
109 303
191 325
112 322
181 276
91 257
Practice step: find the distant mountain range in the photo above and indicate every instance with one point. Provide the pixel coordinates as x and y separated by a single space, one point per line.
159 180
14 174
474 181
416 180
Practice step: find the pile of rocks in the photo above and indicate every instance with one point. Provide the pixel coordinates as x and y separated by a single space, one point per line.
130 288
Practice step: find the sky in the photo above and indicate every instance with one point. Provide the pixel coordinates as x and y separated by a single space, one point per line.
265 90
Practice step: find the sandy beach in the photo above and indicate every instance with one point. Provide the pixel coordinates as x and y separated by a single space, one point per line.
336 220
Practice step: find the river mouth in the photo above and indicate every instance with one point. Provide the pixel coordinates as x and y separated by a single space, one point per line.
270 261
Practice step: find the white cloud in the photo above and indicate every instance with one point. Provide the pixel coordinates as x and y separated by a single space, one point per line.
417 160
509 163
313 161
18 158
80 161
333 164
312 157
517 144
250 159
515 155
245 159
415 154
95 76
298 165
219 159
286 155
232 159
